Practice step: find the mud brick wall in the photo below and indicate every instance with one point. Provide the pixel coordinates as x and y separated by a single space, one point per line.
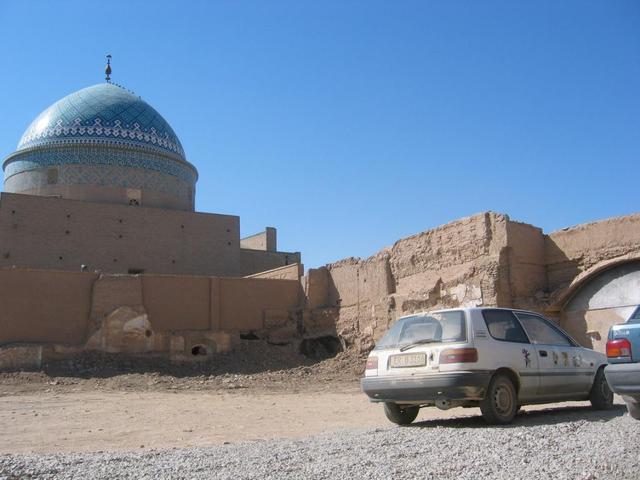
69 307
463 263
482 260
59 234
571 251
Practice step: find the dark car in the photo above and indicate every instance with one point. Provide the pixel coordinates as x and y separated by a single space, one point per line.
624 379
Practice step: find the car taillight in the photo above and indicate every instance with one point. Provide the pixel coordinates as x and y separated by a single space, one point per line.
372 363
619 347
459 355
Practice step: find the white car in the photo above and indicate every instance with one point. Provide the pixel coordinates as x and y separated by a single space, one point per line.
494 358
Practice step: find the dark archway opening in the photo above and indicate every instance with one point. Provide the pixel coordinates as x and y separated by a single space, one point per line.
249 336
321 347
198 350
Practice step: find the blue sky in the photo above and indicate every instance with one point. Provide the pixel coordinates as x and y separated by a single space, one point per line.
350 124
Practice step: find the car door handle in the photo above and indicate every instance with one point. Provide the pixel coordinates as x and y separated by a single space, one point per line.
543 353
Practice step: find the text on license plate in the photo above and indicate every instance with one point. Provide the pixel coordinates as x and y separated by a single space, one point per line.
408 360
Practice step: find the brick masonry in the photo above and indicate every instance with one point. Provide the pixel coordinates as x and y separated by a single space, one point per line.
482 260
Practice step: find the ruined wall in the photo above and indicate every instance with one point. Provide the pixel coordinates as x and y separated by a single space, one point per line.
527 269
43 306
452 264
250 303
316 288
142 313
462 263
588 288
485 259
572 251
179 303
360 290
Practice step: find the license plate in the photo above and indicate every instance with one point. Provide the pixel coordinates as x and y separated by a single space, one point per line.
408 360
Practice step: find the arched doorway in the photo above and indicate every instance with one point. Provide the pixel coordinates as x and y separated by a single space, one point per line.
609 297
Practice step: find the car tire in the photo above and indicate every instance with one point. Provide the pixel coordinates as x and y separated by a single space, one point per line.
400 415
601 396
500 402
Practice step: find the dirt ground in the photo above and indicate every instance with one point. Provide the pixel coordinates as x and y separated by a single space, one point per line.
108 403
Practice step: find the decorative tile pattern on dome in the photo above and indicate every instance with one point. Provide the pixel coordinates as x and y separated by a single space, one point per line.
110 176
97 155
106 112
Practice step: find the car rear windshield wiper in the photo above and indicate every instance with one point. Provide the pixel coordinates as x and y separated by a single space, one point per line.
419 342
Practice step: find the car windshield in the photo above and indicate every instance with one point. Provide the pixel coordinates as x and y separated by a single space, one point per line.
436 327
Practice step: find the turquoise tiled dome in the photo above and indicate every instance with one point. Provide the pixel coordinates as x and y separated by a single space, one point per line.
106 114
100 144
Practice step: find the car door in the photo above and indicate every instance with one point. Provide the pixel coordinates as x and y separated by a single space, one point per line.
509 347
563 371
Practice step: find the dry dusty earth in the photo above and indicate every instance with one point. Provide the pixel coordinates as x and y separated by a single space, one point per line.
107 403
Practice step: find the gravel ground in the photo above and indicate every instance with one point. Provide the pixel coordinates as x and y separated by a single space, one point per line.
538 445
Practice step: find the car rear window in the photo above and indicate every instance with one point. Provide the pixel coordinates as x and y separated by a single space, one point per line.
439 327
504 326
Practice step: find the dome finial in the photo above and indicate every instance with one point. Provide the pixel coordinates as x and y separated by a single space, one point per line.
107 70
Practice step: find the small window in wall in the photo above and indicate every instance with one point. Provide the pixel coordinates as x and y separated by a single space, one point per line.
134 195
199 350
504 326
52 176
135 271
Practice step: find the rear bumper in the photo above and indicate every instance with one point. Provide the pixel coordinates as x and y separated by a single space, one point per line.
624 378
427 388
616 360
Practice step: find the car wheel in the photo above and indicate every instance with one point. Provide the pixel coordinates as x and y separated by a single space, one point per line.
500 402
601 396
400 415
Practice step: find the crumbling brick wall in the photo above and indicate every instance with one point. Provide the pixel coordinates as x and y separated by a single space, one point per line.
572 251
482 260
469 262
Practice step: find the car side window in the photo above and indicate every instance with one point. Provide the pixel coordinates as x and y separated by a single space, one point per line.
542 332
504 326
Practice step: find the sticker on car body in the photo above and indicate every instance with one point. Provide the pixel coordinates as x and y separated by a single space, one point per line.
527 357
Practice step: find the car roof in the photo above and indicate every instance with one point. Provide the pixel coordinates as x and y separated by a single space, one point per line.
465 309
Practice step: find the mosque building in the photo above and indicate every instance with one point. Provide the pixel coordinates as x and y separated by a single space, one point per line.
101 249
100 181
